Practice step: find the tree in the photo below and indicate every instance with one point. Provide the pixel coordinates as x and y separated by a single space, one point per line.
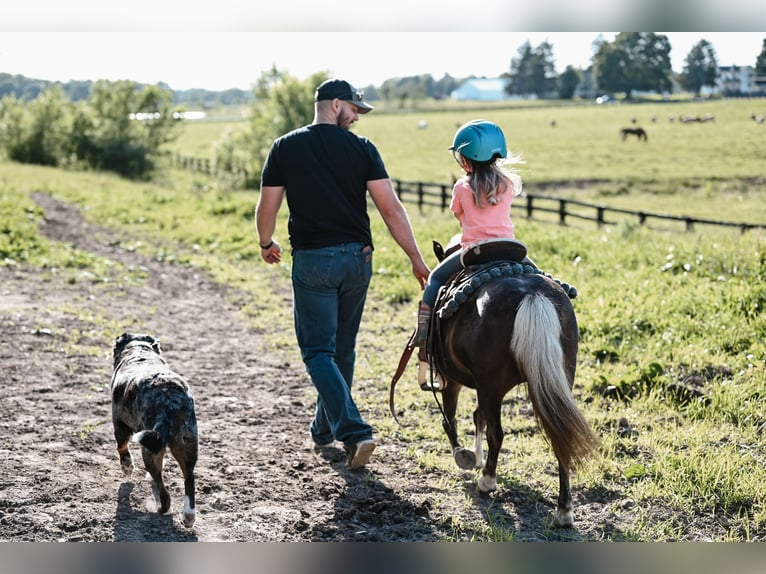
700 68
544 70
123 127
568 82
37 132
533 71
634 61
760 67
408 88
281 103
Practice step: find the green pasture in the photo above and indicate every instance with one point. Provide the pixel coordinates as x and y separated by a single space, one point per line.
672 324
709 170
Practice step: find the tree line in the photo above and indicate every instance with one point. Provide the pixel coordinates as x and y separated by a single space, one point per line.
634 61
125 126
28 89
121 127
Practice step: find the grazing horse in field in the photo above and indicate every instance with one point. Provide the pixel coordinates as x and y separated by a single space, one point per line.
640 133
513 324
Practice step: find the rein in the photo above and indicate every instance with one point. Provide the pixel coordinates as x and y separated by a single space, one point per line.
403 360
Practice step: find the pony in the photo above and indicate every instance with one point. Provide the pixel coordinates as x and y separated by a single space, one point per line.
640 133
512 328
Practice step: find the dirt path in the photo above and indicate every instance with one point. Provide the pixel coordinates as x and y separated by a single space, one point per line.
258 477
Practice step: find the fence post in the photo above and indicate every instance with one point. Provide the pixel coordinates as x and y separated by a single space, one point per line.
420 195
444 197
562 211
599 216
689 224
529 206
398 188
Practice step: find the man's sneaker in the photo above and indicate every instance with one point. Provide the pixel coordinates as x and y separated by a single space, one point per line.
318 446
359 454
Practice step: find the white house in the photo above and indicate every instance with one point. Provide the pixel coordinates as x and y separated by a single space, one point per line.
484 89
736 79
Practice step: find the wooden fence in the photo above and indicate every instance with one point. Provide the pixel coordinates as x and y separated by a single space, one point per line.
556 208
539 206
206 166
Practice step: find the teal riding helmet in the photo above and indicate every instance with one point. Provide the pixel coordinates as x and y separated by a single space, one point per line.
480 140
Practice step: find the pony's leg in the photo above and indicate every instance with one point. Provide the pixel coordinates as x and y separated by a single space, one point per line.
478 444
488 480
464 458
564 517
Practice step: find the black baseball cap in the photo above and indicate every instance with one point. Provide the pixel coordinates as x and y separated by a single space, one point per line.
342 90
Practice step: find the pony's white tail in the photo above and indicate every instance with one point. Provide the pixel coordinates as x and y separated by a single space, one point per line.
536 344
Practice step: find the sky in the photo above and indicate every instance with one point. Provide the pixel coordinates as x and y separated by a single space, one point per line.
226 44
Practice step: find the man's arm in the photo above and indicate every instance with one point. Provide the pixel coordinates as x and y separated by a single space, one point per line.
266 211
398 223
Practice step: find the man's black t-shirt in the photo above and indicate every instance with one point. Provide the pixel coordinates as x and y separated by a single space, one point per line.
325 170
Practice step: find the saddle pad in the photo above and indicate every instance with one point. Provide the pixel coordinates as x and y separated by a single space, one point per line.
493 250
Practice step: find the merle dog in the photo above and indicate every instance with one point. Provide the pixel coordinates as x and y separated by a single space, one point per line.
154 405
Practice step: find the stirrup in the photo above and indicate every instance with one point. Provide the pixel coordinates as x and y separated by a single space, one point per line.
437 388
423 372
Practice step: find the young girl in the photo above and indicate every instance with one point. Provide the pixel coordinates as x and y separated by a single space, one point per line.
481 201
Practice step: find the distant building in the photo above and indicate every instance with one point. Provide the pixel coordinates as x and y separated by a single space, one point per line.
482 89
734 80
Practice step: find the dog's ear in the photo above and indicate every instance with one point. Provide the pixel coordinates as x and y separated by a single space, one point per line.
119 345
121 341
156 345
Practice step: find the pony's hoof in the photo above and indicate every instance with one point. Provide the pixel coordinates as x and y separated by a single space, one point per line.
563 518
486 484
189 513
127 470
465 459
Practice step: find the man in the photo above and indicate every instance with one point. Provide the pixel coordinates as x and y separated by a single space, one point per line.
326 171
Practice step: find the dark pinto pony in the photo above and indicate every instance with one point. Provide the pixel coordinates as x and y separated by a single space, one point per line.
510 330
640 133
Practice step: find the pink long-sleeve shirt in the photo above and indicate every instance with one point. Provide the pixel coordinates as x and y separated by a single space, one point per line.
486 222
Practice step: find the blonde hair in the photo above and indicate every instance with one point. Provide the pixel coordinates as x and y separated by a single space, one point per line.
488 179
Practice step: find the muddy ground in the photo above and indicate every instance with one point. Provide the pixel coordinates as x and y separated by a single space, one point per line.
258 477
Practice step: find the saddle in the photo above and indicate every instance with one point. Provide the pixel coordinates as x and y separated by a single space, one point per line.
481 262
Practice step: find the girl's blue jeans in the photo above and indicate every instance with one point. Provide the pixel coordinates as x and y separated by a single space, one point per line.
329 291
439 276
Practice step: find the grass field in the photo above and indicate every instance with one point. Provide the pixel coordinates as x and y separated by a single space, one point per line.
705 170
673 328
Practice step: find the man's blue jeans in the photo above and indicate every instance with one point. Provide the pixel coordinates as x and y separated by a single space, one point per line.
329 291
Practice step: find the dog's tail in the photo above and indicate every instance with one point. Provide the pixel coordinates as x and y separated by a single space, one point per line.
154 440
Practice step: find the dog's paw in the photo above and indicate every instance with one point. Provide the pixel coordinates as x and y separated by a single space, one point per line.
126 463
127 468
